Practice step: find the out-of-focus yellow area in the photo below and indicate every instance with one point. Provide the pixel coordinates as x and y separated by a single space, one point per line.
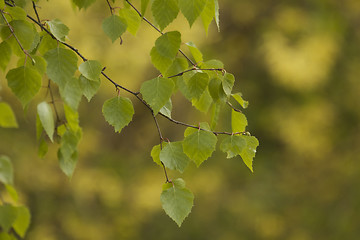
296 62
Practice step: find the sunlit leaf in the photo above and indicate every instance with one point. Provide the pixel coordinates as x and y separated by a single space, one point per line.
238 121
173 156
168 44
114 27
22 221
2 4
46 43
178 65
240 100
208 14
24 83
16 13
72 118
216 90
203 103
118 112
144 5
164 11
199 146
155 153
7 116
132 19
24 32
58 29
157 92
192 9
6 170
177 200
38 63
217 19
62 64
12 192
46 117
71 92
228 83
248 153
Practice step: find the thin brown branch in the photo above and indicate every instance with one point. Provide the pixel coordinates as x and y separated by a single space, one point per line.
196 69
136 94
235 109
110 7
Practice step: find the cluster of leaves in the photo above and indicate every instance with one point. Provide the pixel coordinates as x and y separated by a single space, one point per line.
44 58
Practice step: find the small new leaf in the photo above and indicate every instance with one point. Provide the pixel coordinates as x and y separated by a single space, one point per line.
248 152
177 200
118 112
22 221
240 100
46 118
157 92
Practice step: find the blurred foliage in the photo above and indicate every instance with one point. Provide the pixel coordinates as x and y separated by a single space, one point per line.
298 64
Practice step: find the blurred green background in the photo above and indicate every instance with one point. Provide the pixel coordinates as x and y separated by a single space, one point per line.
296 62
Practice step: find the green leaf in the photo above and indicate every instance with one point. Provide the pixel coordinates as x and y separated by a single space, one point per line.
215 113
192 9
39 64
6 170
177 200
42 148
39 127
157 92
160 62
197 84
199 146
118 112
8 215
155 153
240 100
16 13
114 27
132 19
7 117
203 103
71 92
178 65
88 87
83 3
167 108
208 14
228 83
2 4
46 117
168 44
195 52
22 221
91 69
233 145
58 29
12 192
164 11
61 65
72 118
173 156
24 32
68 164
248 153
5 55
144 5
46 43
238 121
24 83
216 90
217 20
5 236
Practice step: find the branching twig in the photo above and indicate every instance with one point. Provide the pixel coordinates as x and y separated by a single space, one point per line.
16 38
157 29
